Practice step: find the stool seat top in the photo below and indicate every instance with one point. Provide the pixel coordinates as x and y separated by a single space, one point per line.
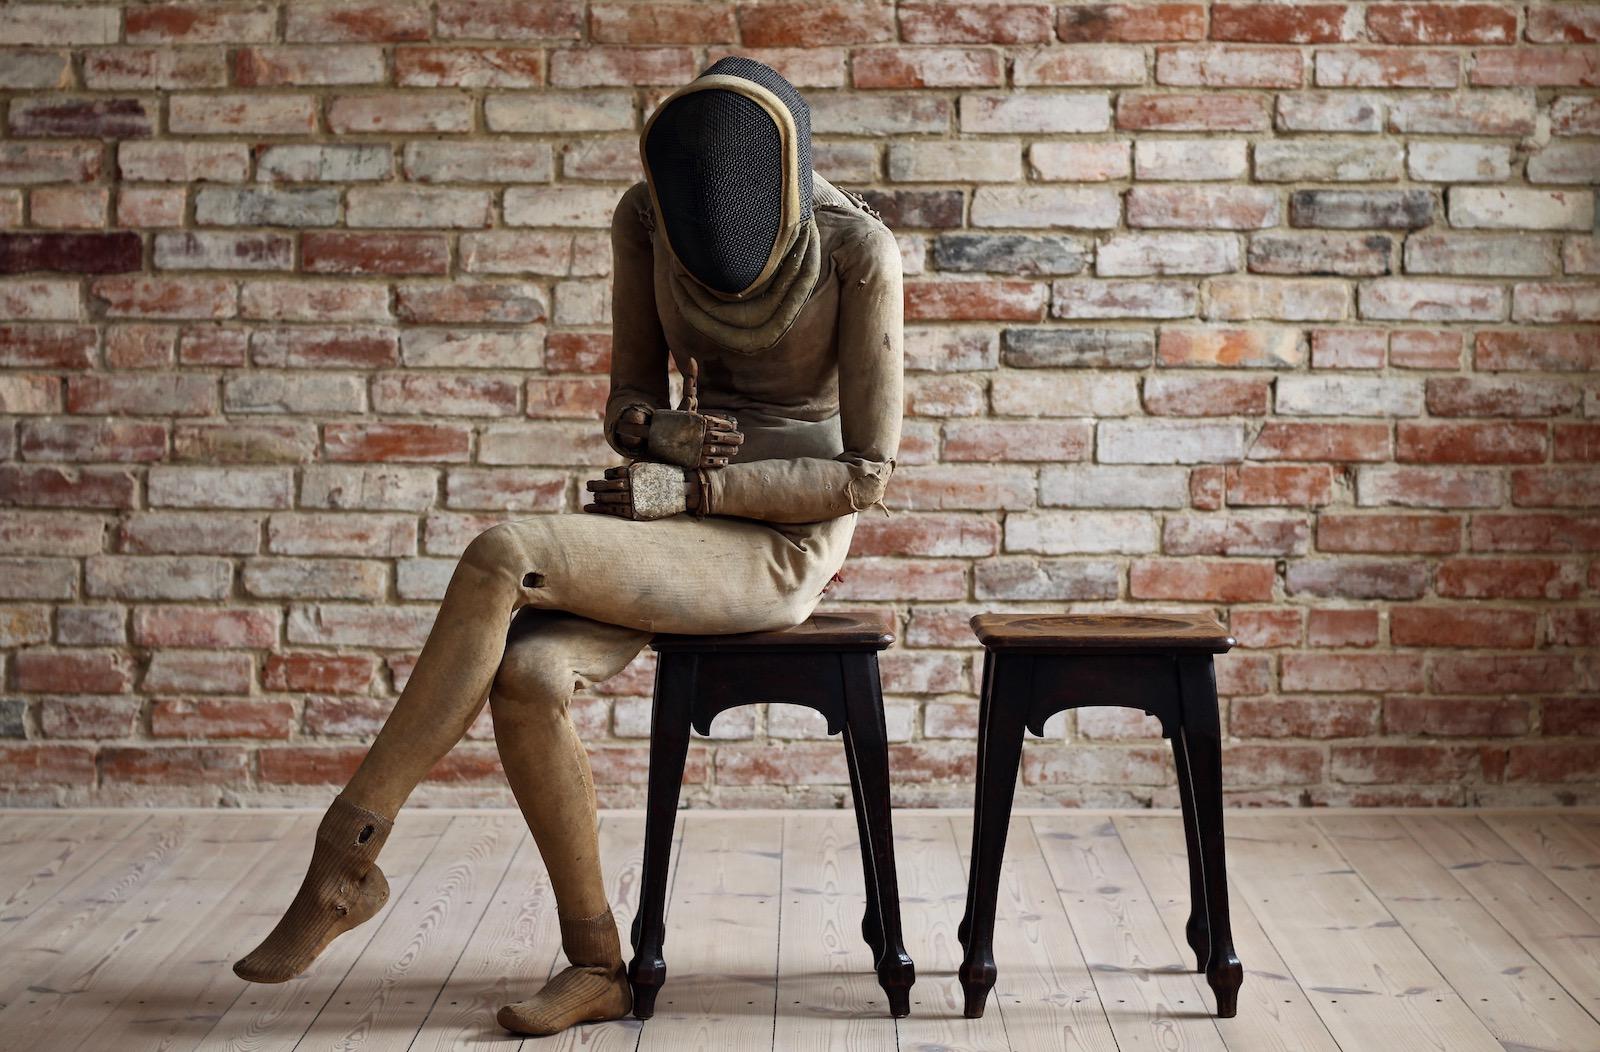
833 630
1102 632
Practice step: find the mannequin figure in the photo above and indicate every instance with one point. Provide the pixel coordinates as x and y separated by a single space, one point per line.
779 298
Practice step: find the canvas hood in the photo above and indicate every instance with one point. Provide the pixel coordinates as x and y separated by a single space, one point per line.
727 159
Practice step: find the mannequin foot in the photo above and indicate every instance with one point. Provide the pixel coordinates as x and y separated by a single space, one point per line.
595 987
343 887
578 994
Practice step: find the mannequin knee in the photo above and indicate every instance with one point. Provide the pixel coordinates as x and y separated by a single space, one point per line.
535 681
507 550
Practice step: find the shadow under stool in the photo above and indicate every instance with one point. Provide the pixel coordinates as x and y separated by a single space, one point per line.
830 664
1035 666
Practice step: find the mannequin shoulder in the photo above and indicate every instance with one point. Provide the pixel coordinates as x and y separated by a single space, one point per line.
634 207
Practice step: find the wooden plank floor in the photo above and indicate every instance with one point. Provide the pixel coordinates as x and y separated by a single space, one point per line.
1359 931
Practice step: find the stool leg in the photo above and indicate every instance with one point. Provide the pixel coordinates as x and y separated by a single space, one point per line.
1002 711
669 747
871 923
965 926
1202 745
1195 930
866 743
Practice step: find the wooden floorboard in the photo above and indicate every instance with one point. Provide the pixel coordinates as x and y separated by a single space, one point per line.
1358 930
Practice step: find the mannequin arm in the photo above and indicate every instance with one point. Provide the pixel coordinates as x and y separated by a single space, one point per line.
871 347
638 344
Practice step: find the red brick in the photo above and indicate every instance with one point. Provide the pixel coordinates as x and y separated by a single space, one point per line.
1413 764
149 297
1389 533
348 20
399 442
1233 348
872 578
974 300
1577 442
1553 762
205 626
1561 487
1298 23
72 672
1303 717
1258 629
661 23
992 440
338 252
168 765
1200 579
1386 68
83 118
1508 578
1425 626
1358 578
1342 628
1172 112
1502 674
1348 348
1284 485
1105 764
1534 533
57 487
977 23
927 535
47 346
1292 440
578 352
1234 535
1456 717
510 19
900 68
1447 443
94 440
34 765
1492 396
88 717
1425 350
1575 628
1574 66
213 718
461 67
1134 23
200 23
1564 23
794 763
1569 716
70 253
811 25
1229 66
1442 23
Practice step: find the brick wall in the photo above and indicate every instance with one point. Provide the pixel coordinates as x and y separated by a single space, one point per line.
1285 311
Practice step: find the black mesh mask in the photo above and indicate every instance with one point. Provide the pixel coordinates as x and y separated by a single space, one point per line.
728 161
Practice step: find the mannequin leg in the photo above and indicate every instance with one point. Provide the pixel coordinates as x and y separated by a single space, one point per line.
671 575
548 655
343 886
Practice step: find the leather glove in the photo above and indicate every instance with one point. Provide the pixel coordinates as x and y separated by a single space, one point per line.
683 436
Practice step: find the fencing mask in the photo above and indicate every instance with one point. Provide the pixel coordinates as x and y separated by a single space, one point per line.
727 158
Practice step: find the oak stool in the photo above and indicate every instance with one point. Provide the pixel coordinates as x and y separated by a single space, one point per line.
828 663
1035 666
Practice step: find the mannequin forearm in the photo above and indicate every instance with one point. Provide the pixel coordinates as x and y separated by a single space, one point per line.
798 489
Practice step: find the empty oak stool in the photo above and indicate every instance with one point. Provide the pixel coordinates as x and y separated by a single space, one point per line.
1034 666
829 663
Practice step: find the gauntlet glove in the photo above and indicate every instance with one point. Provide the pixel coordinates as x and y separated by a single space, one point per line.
645 489
683 436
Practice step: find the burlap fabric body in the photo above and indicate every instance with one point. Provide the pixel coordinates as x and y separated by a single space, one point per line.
809 362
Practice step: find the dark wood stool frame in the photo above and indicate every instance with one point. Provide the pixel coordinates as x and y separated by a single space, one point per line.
829 664
1035 666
